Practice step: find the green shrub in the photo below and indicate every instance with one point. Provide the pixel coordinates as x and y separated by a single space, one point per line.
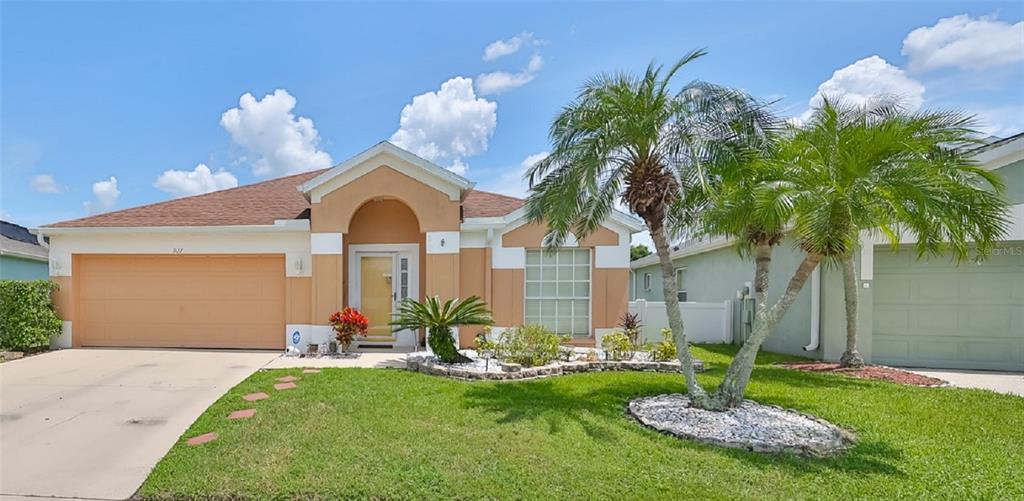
618 346
27 316
528 345
664 350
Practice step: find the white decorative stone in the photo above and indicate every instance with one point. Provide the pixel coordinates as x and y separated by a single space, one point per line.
750 426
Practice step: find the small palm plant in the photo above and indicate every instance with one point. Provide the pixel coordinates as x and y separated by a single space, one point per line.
438 319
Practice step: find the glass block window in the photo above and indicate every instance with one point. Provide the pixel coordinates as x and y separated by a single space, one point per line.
558 290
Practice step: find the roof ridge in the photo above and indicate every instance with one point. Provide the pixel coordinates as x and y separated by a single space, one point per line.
191 197
510 197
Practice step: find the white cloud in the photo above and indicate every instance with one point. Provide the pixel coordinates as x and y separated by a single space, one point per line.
184 183
510 181
502 48
1000 121
869 79
45 183
447 125
499 81
965 43
281 142
105 195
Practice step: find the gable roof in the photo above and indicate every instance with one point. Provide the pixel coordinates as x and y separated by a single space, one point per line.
255 204
429 168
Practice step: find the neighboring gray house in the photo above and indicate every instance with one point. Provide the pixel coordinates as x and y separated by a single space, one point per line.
21 256
927 313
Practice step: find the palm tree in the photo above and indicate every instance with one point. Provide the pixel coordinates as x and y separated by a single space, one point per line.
632 139
891 172
851 169
438 319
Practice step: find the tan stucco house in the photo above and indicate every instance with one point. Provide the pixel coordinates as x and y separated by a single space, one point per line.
264 265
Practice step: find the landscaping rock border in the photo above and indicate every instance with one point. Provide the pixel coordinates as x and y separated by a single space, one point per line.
430 365
751 426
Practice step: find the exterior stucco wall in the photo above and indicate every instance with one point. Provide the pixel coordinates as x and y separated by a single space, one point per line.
17 268
434 210
609 295
65 249
1013 176
717 275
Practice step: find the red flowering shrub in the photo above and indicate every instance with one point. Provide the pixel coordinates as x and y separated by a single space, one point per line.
347 324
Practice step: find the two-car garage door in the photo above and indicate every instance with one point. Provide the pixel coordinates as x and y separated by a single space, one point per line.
932 313
207 301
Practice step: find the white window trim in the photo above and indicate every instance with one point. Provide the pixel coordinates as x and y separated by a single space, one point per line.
590 290
679 282
647 282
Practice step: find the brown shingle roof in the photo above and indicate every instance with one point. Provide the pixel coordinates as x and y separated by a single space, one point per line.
486 204
255 204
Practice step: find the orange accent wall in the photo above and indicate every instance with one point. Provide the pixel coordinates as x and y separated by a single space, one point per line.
387 221
299 300
202 301
326 289
507 297
433 210
531 235
442 276
474 268
609 296
64 299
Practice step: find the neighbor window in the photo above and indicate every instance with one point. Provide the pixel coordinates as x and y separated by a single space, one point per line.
647 281
558 290
681 284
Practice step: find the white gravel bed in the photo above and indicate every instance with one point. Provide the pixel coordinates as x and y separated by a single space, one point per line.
751 426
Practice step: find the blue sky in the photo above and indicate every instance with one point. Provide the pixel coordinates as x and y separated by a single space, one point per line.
153 95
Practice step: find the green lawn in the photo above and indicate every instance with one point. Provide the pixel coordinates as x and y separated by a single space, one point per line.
389 434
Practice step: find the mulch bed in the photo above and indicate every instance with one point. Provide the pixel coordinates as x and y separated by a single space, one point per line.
876 372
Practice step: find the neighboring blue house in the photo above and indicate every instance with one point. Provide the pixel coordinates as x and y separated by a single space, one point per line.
21 256
915 313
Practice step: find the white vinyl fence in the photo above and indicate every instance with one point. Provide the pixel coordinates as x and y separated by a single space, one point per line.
704 322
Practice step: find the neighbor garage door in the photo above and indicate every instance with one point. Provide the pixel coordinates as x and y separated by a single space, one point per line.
936 314
180 301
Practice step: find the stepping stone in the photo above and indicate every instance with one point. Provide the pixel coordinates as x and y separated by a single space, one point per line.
252 397
311 371
202 439
284 386
242 414
287 379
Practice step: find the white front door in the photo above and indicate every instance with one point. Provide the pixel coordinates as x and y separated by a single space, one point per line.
382 276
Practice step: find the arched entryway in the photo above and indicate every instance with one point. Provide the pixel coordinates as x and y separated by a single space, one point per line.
384 247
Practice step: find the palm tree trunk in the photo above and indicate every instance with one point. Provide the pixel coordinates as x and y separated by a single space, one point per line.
675 318
730 392
851 357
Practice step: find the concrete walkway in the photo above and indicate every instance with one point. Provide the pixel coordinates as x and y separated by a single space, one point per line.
1010 383
377 360
92 423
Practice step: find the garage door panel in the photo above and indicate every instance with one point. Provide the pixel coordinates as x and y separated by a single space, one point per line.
937 314
181 301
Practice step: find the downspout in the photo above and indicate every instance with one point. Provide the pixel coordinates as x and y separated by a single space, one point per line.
815 310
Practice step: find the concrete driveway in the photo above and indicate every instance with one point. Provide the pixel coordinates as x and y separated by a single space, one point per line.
1010 383
92 423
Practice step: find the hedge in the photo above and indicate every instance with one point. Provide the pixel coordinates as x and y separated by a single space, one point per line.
28 316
